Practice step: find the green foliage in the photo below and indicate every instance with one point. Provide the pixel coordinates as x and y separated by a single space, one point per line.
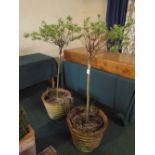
118 36
116 32
59 34
94 35
23 123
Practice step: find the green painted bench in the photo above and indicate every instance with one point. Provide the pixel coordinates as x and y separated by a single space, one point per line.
114 91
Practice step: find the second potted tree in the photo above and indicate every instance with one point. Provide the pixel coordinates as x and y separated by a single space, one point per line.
88 124
57 101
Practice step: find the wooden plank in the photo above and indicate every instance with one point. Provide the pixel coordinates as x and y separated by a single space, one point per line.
120 64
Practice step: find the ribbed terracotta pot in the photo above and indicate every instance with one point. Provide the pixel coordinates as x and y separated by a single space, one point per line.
87 141
27 145
57 107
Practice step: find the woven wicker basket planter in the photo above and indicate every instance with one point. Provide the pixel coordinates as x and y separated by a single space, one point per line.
87 141
58 107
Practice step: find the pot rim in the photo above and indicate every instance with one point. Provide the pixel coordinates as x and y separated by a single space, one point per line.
67 92
78 131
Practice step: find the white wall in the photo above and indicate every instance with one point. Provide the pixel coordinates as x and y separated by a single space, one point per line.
32 12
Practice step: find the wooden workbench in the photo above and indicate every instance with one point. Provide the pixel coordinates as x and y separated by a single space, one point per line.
120 64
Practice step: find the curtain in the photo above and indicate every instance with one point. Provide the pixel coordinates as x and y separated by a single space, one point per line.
116 12
130 48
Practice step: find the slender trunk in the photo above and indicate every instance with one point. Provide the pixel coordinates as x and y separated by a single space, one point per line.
58 74
88 88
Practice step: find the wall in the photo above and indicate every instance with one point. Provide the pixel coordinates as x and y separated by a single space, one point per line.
32 12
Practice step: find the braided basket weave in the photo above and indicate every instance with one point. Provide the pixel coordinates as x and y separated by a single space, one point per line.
87 141
59 107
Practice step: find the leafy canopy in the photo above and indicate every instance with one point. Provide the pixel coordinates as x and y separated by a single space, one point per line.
119 35
94 35
59 34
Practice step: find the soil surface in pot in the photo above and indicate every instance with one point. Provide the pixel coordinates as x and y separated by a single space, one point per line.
94 122
51 97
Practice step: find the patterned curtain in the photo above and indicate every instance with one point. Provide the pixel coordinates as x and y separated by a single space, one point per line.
130 48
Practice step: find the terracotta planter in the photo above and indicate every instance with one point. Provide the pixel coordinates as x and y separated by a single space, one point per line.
27 145
57 107
86 141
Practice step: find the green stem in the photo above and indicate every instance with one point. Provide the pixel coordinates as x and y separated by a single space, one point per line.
88 88
58 74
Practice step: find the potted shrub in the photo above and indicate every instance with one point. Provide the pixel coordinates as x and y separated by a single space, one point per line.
118 37
27 144
88 124
57 101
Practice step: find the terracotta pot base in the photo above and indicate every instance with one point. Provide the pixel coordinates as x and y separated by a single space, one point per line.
27 145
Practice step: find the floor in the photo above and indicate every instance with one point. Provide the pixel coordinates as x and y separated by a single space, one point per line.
119 139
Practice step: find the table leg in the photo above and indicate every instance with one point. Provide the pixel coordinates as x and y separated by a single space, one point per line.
52 81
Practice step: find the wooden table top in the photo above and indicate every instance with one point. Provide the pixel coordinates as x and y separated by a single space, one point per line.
120 64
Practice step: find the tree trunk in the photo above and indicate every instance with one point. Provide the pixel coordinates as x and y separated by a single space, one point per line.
58 74
88 87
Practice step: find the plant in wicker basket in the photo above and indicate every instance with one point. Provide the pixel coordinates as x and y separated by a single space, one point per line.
23 123
88 124
26 135
57 101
